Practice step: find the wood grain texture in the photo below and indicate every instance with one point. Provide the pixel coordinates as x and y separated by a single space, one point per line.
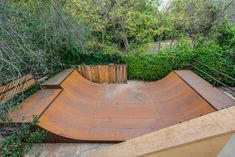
87 111
206 90
17 86
104 73
55 81
214 125
119 112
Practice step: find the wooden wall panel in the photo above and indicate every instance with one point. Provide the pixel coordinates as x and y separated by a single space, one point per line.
113 73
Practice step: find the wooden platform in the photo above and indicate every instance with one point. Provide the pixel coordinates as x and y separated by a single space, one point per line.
80 110
55 81
205 90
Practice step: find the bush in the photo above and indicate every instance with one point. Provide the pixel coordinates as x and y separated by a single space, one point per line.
215 56
150 67
226 39
74 56
156 66
20 141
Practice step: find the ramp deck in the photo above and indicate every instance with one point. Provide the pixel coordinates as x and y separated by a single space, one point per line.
86 111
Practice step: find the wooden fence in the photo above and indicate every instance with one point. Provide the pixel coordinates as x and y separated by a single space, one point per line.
15 87
113 73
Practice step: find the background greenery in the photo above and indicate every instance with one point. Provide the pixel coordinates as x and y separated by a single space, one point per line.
43 36
19 140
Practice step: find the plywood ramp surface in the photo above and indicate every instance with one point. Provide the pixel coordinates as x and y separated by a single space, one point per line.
204 136
55 81
206 90
86 111
97 112
34 105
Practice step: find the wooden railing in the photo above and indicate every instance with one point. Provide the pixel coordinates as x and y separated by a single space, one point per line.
17 86
113 73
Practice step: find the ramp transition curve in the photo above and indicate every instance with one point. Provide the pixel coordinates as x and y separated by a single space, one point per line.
76 109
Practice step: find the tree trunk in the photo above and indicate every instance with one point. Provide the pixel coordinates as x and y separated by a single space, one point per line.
125 40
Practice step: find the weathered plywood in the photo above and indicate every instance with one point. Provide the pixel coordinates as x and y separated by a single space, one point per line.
118 112
55 81
34 105
209 126
15 87
215 97
104 73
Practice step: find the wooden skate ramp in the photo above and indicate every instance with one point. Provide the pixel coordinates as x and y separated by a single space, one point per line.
200 137
86 111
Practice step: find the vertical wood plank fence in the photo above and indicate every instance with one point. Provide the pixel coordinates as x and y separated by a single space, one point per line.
112 73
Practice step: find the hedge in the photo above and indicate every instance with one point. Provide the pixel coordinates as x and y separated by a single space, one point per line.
152 67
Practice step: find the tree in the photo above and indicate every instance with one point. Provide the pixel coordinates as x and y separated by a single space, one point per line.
196 16
122 22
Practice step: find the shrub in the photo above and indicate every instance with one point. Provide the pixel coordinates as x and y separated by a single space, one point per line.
216 57
20 141
150 67
156 66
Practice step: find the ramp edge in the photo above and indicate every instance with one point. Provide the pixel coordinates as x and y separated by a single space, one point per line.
204 89
58 79
215 124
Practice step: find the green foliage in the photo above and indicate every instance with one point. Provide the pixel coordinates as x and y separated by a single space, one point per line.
145 66
33 33
101 58
95 58
72 55
41 36
12 146
226 37
156 66
20 142
215 56
187 17
118 22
